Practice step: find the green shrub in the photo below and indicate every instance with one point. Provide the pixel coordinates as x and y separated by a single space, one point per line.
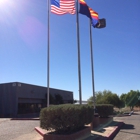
104 110
65 118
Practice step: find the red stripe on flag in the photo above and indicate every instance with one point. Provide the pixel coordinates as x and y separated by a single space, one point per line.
66 6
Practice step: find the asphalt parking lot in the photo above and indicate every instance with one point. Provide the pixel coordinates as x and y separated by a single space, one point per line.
24 129
18 129
131 128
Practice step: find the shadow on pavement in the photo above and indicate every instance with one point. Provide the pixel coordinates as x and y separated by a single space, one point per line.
136 114
95 137
121 115
105 131
130 133
101 126
128 126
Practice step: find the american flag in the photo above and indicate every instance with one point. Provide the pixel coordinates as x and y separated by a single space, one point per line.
61 7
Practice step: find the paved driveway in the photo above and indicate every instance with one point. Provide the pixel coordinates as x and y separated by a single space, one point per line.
18 129
131 129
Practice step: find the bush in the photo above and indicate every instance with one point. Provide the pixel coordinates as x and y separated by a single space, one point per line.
104 110
65 118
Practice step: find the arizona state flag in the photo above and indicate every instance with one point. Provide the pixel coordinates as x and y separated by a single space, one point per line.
86 10
94 17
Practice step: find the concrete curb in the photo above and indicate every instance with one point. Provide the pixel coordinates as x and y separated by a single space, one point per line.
24 119
79 135
114 132
40 131
131 113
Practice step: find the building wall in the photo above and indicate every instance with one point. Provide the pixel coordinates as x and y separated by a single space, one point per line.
27 91
8 100
13 94
30 93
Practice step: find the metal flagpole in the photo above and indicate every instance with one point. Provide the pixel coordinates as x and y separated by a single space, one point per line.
78 45
48 66
92 67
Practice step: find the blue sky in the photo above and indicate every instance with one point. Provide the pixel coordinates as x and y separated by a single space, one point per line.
116 48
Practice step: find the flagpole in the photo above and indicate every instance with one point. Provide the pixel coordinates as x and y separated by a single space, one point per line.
48 66
92 66
78 45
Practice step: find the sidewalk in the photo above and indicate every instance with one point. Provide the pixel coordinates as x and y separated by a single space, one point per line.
106 131
109 130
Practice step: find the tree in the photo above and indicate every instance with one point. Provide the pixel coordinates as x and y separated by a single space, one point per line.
123 99
90 100
72 101
106 97
132 99
138 103
51 99
58 99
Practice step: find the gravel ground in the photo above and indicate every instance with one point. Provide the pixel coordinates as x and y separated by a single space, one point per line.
131 129
18 129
